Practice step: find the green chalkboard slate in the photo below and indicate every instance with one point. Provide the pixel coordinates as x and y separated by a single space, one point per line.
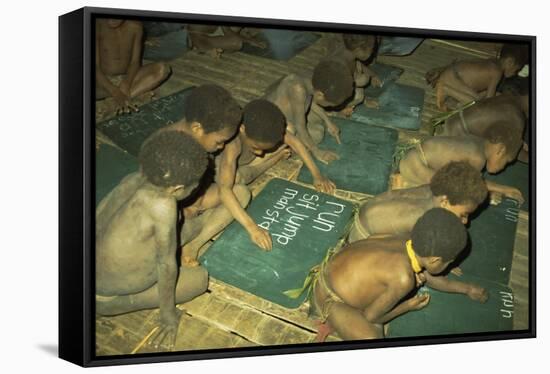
304 224
449 313
400 107
111 165
515 175
492 236
129 131
365 162
387 75
281 45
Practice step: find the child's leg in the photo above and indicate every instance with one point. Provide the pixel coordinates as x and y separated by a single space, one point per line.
202 228
191 283
350 323
149 77
228 43
315 127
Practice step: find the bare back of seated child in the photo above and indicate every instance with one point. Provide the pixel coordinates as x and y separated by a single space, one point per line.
136 235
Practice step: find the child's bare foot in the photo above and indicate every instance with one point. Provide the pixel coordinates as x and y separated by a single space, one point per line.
215 52
323 330
371 103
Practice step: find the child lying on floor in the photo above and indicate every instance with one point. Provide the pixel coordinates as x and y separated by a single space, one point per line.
466 81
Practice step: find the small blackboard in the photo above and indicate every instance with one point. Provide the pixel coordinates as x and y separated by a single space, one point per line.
111 166
398 46
129 131
304 224
400 107
387 75
515 175
365 162
281 45
167 46
492 237
448 313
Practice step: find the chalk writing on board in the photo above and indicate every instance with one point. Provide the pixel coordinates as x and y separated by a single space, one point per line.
507 299
512 213
292 211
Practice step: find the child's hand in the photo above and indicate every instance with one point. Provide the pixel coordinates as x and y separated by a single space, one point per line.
124 104
325 156
283 153
478 293
260 237
334 131
514 193
323 184
347 111
457 271
375 81
495 198
167 329
419 301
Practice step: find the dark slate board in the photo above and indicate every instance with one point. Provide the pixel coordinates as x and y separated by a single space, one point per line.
235 260
448 313
365 162
515 175
400 107
170 46
282 45
111 165
398 46
387 74
492 237
129 131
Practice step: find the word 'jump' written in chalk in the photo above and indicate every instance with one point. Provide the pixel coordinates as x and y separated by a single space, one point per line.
292 212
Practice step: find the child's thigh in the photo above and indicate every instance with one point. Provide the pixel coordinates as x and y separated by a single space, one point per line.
351 324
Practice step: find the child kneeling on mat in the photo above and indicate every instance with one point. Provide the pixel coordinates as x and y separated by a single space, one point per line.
366 284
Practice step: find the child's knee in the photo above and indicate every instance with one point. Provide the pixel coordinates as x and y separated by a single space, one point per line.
163 70
242 193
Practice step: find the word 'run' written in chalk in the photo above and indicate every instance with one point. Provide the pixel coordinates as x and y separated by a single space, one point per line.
291 212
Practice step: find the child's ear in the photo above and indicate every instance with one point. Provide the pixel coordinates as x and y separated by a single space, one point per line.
444 201
175 189
435 260
500 149
318 95
197 129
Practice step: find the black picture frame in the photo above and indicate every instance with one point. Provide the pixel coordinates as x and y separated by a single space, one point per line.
77 177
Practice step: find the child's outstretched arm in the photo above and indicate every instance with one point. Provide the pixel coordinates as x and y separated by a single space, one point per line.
319 181
332 129
388 306
298 120
227 172
507 191
443 283
164 214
